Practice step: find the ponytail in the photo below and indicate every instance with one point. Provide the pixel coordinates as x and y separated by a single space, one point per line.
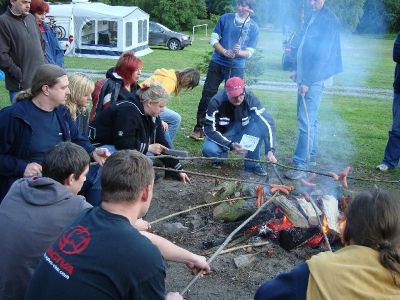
26 94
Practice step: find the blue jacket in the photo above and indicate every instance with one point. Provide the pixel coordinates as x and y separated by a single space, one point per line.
15 136
289 286
321 53
396 58
52 49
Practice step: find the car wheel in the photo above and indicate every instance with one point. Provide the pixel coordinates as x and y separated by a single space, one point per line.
174 44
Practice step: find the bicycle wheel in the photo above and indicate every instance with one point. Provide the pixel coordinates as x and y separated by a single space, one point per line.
60 32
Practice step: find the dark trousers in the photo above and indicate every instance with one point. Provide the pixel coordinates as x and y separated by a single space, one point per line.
91 189
215 75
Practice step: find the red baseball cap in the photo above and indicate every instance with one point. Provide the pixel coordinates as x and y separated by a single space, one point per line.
234 86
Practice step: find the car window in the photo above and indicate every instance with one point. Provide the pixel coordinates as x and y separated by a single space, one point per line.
163 28
154 27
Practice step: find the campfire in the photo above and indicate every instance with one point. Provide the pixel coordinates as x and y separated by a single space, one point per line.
301 215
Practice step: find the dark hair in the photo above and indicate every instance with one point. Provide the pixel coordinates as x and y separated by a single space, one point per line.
46 74
63 160
187 79
249 3
126 65
125 174
39 7
373 220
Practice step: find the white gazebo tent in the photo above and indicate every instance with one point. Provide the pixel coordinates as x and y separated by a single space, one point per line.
101 30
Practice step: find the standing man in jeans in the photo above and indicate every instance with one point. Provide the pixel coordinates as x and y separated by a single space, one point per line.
21 50
318 59
392 152
234 39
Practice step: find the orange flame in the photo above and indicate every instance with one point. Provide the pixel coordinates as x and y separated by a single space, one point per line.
285 223
325 226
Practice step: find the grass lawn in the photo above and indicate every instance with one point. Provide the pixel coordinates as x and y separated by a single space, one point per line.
353 130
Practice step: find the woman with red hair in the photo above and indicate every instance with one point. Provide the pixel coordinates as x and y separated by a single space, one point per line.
121 83
52 50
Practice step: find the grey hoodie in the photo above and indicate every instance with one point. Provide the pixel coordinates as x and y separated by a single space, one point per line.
32 215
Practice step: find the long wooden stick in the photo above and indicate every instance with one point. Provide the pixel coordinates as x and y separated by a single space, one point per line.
200 206
244 246
321 227
227 241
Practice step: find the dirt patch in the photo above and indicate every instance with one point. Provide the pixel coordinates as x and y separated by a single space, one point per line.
226 281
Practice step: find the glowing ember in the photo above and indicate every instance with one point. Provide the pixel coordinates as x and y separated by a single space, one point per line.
315 241
254 228
279 225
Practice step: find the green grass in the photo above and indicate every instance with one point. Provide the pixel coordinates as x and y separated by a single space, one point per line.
352 130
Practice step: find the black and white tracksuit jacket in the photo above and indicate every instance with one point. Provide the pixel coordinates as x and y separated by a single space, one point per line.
221 114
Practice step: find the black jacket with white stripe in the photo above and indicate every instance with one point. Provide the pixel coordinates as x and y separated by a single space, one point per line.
221 114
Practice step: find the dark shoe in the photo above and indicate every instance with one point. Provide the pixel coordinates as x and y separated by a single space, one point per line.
197 135
216 164
257 169
295 174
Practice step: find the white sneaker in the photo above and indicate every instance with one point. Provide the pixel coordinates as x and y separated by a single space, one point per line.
382 167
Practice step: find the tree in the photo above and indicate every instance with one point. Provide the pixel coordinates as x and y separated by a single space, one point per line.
219 7
178 14
393 14
374 19
348 12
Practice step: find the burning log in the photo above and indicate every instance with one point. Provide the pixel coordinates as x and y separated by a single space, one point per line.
308 210
294 237
290 210
222 191
331 211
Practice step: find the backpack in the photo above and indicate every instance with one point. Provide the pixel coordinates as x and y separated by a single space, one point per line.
100 101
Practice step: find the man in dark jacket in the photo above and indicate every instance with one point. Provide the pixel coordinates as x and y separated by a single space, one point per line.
236 121
392 151
34 212
318 59
20 46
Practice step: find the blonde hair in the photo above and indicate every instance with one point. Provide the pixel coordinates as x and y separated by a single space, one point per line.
153 93
80 85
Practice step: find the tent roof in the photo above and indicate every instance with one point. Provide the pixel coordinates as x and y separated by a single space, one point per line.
98 10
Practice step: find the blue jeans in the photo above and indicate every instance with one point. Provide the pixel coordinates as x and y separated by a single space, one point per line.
12 95
215 75
307 122
235 133
392 151
173 119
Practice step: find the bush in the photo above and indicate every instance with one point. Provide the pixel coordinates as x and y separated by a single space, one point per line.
255 66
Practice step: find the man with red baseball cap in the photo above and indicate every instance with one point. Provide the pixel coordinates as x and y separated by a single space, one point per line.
236 121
